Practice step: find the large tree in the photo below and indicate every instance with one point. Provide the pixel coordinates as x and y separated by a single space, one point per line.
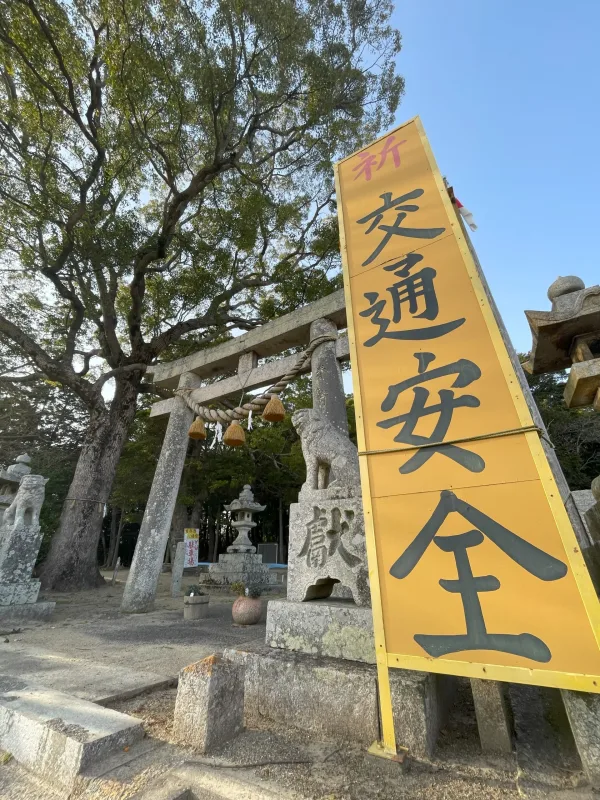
161 163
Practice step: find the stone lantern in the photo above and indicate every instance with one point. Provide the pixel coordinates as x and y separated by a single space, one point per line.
241 562
569 336
243 510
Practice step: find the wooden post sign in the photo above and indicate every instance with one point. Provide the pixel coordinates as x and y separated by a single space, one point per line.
474 566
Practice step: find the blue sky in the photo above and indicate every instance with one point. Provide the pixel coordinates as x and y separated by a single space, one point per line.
508 93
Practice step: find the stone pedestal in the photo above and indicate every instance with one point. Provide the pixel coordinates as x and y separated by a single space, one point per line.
331 628
234 567
18 593
337 698
327 545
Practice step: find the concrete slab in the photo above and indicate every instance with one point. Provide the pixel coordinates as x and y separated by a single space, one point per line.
98 683
57 735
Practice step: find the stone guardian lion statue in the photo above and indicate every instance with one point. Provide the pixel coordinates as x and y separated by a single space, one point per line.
330 457
25 508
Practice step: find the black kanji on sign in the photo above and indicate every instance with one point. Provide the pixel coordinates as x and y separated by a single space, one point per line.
466 373
398 204
417 293
531 558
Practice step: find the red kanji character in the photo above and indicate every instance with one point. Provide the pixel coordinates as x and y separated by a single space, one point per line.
366 166
389 147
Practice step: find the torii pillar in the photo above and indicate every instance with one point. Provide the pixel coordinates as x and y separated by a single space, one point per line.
140 589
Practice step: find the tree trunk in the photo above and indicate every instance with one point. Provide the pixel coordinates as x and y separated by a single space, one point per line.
72 561
114 524
115 555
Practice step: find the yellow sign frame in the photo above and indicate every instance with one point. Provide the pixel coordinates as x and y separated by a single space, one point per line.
385 659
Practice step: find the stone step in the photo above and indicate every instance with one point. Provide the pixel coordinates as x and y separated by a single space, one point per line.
56 735
86 679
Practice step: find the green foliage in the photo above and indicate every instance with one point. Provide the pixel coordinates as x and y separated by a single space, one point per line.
195 591
164 162
167 181
237 587
39 419
575 433
253 590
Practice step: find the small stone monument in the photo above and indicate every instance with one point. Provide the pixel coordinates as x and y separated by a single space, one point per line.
241 563
20 539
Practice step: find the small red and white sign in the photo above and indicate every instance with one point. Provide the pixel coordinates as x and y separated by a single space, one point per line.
191 540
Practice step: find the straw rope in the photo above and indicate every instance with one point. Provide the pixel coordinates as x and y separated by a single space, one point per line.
257 403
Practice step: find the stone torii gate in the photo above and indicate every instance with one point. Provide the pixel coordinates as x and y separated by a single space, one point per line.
243 353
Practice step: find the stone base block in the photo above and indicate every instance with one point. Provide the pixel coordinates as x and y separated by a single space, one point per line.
332 628
59 736
209 710
583 711
494 718
18 593
338 699
27 611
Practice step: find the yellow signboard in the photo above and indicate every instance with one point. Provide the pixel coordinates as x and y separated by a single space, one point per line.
475 568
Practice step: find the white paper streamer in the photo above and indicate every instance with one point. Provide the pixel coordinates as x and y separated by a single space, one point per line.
218 437
250 421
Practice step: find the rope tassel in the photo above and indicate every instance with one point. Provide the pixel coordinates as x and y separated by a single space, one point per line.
197 429
274 410
234 435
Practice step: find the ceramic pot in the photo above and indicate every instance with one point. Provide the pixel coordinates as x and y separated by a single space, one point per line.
195 606
246 610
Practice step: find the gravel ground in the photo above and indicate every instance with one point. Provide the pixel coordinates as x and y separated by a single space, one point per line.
89 625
